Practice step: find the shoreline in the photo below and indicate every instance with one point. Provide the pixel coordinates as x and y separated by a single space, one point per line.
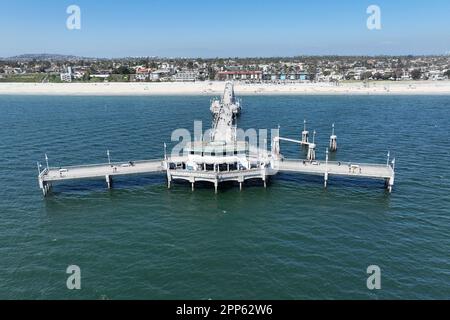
216 88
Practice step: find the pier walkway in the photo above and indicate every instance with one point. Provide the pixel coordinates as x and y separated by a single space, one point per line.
298 166
107 171
363 170
327 168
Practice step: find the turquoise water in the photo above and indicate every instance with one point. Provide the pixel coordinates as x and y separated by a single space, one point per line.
293 240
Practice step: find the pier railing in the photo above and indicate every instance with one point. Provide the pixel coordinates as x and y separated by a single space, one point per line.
205 174
112 164
342 163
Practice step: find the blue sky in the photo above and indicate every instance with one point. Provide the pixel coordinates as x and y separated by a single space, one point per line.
213 28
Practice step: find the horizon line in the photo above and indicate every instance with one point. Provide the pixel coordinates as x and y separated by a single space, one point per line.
230 57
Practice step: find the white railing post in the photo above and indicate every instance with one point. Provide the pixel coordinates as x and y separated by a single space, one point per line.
46 161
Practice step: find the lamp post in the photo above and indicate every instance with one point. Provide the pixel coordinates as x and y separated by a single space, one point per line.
46 160
165 151
387 161
325 180
109 157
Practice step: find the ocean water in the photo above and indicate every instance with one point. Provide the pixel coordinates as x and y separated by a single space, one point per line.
293 240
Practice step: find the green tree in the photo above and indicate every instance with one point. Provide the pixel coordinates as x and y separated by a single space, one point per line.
377 76
387 76
86 76
366 75
416 74
123 70
212 73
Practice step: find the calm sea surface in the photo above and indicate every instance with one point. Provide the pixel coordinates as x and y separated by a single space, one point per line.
293 240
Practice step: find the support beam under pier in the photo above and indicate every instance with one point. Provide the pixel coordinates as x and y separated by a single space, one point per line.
241 181
390 184
169 179
108 179
46 186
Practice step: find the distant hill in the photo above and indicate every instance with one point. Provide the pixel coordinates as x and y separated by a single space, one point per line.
46 56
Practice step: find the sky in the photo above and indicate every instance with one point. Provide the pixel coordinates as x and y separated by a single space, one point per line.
231 28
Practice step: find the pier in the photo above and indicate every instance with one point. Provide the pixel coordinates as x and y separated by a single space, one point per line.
226 158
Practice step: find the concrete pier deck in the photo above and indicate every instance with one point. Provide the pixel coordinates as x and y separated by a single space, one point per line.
106 171
361 170
294 166
336 168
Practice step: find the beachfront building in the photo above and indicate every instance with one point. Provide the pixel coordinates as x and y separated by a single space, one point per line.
292 76
186 76
436 75
160 75
12 70
142 73
103 76
79 74
246 75
66 76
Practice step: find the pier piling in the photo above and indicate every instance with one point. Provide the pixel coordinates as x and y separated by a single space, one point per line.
325 177
390 184
108 181
311 152
305 134
46 188
169 179
333 141
312 148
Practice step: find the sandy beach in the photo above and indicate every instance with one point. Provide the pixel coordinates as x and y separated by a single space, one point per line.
216 88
